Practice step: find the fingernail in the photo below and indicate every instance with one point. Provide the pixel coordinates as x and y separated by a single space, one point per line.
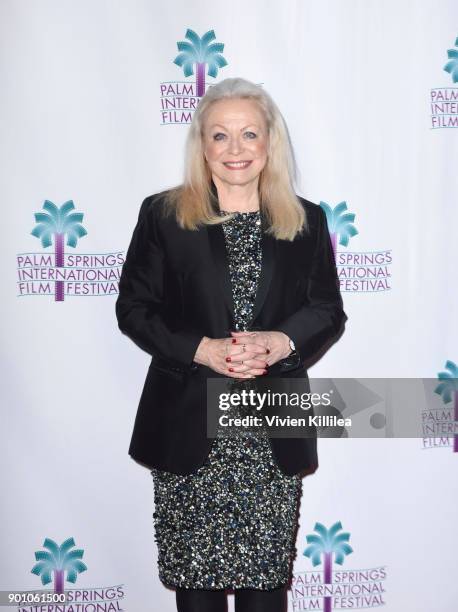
265 372
231 369
268 351
234 340
228 359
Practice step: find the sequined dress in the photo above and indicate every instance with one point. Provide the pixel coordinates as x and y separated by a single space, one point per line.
232 522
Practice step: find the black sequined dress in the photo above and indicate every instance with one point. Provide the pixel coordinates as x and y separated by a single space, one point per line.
231 523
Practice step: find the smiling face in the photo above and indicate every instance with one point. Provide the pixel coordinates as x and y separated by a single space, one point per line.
235 140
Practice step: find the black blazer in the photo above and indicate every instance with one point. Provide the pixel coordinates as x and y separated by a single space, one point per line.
175 288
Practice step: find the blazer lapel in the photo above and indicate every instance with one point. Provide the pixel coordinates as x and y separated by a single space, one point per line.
219 253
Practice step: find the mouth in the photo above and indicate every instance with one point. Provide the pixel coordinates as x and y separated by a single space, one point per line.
237 165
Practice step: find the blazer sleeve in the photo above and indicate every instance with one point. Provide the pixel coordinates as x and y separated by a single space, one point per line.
321 316
140 308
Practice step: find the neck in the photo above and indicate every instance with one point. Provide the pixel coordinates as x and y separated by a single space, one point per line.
241 198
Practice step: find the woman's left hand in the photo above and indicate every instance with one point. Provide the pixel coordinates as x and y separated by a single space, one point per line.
276 342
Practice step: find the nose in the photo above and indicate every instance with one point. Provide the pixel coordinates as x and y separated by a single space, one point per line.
235 145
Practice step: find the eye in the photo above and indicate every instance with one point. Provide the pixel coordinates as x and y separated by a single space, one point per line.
250 135
218 136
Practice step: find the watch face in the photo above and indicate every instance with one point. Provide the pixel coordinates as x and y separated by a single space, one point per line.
292 345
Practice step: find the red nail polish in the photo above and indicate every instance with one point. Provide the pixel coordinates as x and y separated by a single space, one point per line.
268 351
231 369
234 340
228 359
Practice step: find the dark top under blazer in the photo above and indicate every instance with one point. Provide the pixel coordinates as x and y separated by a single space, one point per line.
175 288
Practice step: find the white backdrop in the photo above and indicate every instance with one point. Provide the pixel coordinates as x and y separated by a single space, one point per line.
82 120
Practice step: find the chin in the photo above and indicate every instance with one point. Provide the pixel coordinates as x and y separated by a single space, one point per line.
239 180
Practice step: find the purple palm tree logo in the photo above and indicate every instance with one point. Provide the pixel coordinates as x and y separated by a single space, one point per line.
323 544
199 51
55 223
448 389
340 223
57 560
452 65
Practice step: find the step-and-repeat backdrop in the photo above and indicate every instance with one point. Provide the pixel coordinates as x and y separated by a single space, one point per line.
96 101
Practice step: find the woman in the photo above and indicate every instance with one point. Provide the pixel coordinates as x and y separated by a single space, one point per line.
230 275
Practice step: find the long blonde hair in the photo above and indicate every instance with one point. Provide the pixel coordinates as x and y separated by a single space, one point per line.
192 201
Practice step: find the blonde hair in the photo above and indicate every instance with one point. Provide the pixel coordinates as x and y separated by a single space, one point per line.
192 201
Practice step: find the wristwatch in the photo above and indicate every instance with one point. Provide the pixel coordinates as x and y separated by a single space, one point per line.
292 346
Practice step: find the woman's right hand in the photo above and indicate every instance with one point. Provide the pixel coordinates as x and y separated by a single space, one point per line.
214 353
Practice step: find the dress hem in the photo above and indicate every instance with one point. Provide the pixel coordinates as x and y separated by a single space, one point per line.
231 587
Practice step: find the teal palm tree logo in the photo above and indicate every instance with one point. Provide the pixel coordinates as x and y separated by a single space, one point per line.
202 52
56 560
452 65
322 545
340 223
448 389
54 224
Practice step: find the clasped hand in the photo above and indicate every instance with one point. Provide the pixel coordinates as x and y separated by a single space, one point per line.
245 354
